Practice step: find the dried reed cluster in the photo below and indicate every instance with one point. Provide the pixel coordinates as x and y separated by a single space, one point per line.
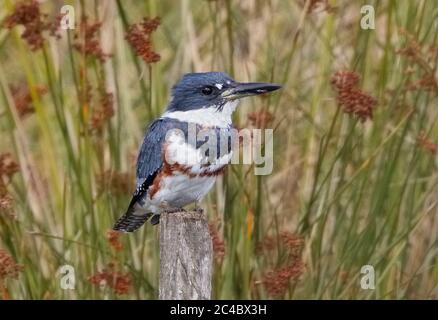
6 201
8 267
139 36
276 280
425 57
23 98
101 105
260 119
104 112
352 99
87 40
120 283
316 6
427 82
411 50
113 238
35 23
218 242
8 167
414 50
427 144
292 242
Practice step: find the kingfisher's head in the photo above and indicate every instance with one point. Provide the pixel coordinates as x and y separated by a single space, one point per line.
212 90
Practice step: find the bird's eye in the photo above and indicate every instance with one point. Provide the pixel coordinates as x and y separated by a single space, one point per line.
207 90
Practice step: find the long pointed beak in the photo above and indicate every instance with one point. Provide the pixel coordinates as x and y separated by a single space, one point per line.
249 89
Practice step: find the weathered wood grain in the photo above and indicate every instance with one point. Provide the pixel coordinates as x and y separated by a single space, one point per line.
186 256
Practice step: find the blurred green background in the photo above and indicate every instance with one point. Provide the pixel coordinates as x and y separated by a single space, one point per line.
344 193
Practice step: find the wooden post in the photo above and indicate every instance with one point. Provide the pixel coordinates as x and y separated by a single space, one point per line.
186 256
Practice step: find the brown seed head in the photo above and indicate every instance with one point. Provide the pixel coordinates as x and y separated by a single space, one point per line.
87 40
140 39
23 98
6 201
8 267
28 14
352 99
260 118
104 112
292 242
345 80
113 238
427 144
8 167
120 283
277 281
218 242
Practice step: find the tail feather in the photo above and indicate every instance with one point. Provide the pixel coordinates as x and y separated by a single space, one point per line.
130 222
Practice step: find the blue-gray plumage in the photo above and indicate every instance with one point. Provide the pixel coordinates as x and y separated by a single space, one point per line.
188 95
166 183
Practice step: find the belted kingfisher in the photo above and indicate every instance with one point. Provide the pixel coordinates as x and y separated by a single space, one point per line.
171 171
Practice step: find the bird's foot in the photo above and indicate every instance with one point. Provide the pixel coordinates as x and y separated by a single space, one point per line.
155 219
197 208
175 210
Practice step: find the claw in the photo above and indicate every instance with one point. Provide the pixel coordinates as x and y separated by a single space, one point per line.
174 210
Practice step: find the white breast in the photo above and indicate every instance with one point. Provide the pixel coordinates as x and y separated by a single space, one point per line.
210 116
183 188
182 153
